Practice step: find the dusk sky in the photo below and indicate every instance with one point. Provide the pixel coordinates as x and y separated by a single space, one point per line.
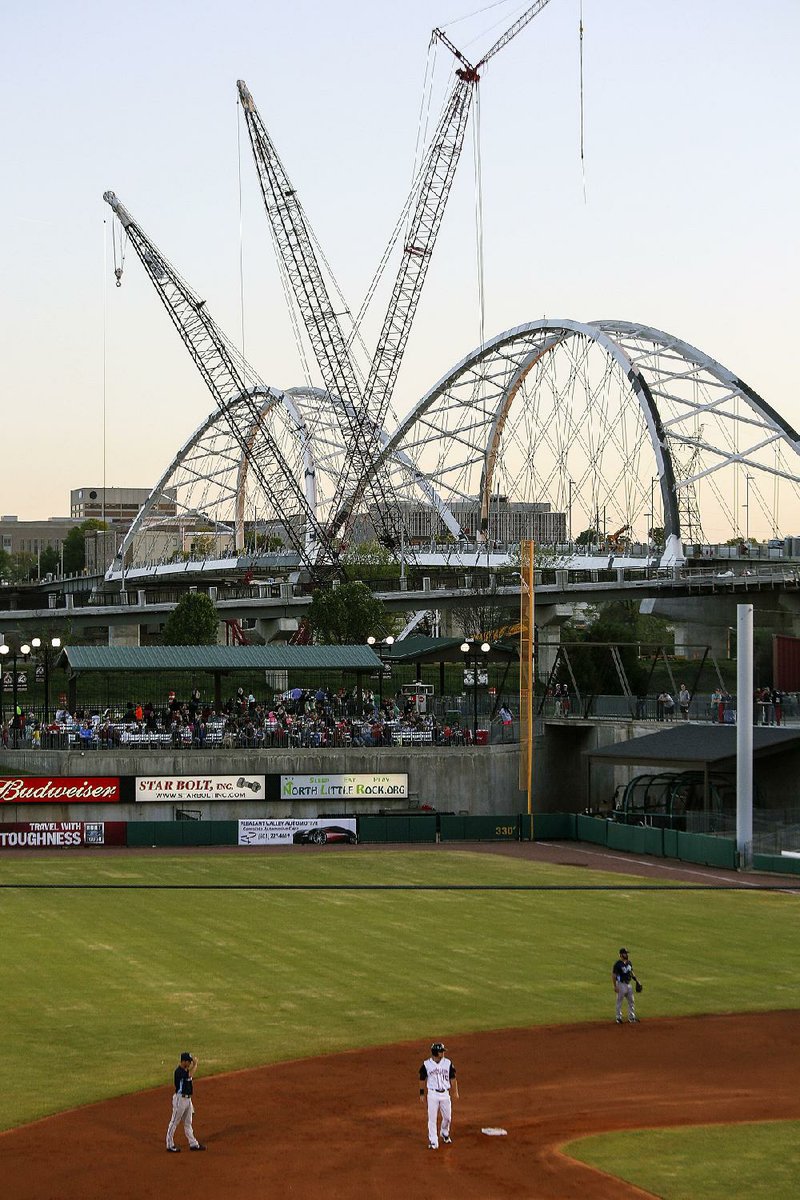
688 223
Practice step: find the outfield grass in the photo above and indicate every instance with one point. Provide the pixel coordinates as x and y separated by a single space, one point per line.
715 1162
102 988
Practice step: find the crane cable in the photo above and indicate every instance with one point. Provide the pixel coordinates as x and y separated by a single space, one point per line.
105 354
580 57
423 122
479 257
288 296
119 259
241 238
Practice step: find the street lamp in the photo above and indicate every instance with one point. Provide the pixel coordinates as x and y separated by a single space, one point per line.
475 655
571 486
746 506
24 650
53 644
383 650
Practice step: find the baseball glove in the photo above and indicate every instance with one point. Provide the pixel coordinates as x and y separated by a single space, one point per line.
639 986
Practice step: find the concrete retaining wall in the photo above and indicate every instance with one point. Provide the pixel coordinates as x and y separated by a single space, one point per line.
474 780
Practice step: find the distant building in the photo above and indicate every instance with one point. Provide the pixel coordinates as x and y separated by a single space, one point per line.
509 521
33 537
117 505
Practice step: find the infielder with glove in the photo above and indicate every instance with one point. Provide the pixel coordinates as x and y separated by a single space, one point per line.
182 1107
437 1076
621 977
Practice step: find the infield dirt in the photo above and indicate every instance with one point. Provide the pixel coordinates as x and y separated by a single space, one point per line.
351 1126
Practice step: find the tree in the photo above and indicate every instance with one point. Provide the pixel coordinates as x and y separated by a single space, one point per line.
48 562
192 622
265 543
588 537
21 566
617 623
347 615
75 547
371 560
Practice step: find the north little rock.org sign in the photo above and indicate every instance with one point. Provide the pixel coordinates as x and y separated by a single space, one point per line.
344 787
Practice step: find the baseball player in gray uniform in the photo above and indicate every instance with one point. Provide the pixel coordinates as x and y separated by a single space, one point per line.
623 978
182 1107
437 1076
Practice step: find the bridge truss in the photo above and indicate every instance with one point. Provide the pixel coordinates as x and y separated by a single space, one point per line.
612 423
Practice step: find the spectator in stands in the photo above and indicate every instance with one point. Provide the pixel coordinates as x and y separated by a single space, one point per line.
777 705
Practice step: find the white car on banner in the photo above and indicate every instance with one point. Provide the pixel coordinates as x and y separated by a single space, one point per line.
198 787
287 831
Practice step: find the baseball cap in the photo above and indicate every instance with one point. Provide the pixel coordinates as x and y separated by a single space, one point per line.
623 951
186 1056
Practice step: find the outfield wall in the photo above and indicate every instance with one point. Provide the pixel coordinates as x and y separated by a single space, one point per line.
405 829
479 780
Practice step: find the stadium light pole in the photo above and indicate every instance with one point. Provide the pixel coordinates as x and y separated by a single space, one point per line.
13 650
382 649
53 644
475 655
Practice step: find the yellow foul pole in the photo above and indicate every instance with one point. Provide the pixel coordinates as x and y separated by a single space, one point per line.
526 679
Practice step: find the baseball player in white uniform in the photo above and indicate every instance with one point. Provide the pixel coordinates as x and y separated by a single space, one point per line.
437 1076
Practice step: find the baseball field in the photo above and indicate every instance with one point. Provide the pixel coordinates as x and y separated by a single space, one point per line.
310 982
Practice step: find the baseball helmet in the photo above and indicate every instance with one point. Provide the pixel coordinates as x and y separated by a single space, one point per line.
622 951
437 1048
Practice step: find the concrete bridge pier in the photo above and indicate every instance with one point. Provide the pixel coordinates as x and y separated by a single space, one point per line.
124 635
548 619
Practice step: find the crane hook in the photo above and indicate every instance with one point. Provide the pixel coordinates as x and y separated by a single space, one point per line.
118 273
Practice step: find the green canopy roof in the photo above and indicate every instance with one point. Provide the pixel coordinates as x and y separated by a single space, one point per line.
275 657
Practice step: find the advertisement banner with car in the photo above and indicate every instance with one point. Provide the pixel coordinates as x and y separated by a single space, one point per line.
344 787
198 787
313 831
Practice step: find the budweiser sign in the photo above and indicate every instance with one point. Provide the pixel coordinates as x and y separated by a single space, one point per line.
60 789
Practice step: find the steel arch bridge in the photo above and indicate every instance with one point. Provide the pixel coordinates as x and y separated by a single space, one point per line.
614 423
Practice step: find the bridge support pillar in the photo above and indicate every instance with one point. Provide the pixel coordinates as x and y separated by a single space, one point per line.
692 639
124 635
548 642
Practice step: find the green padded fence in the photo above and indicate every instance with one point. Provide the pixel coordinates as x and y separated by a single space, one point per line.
591 829
777 863
549 826
710 851
397 828
670 843
461 828
629 838
636 839
182 833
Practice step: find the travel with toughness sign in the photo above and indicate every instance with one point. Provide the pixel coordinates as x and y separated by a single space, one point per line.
58 789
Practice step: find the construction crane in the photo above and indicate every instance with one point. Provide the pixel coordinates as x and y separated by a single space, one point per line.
436 180
295 246
226 374
365 412
615 541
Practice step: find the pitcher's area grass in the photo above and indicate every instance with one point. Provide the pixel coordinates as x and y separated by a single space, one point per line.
710 1162
102 989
